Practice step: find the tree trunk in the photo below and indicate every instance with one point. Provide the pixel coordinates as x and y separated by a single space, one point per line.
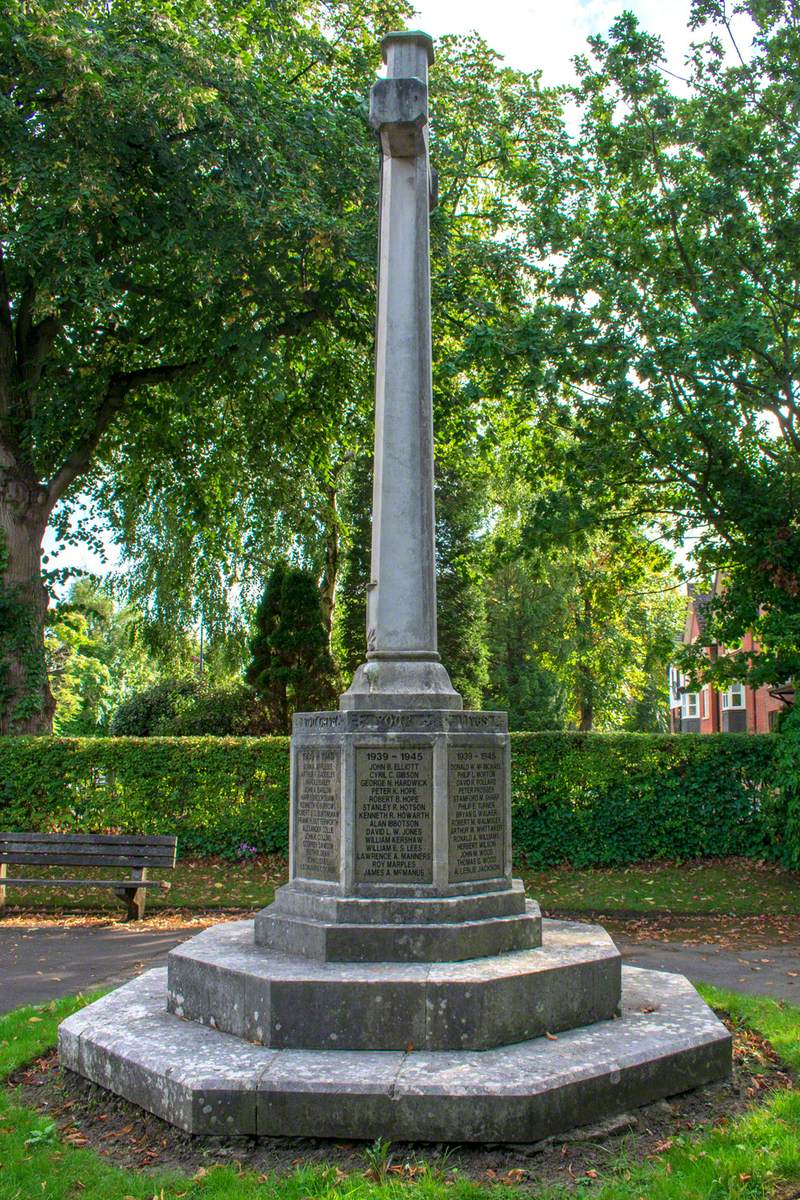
26 702
586 708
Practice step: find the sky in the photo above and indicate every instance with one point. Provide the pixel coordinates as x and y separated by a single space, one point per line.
545 35
530 35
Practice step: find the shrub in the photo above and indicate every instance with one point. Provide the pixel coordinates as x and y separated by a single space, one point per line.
586 799
214 793
186 708
146 713
785 813
600 799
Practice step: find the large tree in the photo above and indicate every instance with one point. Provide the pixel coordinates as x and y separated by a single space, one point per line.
669 345
177 195
582 624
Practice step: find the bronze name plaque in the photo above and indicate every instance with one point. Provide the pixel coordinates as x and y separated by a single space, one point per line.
477 812
317 820
394 814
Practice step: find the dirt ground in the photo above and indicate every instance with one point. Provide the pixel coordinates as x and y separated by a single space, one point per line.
125 1135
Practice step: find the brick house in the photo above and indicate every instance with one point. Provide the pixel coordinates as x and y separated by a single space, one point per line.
740 709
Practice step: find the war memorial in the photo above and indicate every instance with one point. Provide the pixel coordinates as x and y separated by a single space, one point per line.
401 985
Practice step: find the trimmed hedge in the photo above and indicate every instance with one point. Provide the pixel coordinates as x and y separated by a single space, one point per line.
215 793
603 799
587 799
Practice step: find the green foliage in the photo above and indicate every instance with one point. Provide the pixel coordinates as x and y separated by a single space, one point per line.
606 799
461 504
182 199
96 654
190 708
787 765
350 616
214 793
292 669
586 799
582 622
676 209
154 710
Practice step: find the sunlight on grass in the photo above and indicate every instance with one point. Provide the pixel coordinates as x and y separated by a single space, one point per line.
745 1160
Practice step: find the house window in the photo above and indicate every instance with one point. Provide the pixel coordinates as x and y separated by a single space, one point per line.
734 697
691 705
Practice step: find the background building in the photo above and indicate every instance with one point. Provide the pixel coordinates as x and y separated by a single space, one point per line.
740 709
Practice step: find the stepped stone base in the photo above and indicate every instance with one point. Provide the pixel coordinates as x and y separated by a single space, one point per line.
488 898
221 978
423 930
208 1082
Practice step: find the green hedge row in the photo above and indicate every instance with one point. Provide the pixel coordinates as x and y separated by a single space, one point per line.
587 799
606 799
215 793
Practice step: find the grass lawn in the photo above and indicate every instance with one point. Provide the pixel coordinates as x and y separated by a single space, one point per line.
755 1156
737 887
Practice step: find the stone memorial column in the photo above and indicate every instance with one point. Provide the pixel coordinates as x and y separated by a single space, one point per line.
401 797
400 865
403 669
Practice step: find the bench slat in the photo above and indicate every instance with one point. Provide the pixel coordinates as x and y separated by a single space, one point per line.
87 860
116 883
92 839
84 848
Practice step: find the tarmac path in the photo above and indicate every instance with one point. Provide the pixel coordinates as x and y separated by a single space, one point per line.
40 962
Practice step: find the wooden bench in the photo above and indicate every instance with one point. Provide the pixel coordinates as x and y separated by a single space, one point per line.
140 854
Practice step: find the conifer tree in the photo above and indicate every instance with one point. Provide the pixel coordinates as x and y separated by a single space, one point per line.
291 668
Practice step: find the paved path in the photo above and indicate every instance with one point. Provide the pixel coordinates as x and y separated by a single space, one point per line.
758 972
40 962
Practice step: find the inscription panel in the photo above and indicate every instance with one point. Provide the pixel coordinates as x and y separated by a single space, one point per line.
476 808
317 828
394 814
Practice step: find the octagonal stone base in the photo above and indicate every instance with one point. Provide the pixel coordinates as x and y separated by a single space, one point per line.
207 1082
223 979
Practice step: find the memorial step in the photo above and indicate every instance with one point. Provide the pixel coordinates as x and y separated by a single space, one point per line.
494 898
207 1082
424 941
221 978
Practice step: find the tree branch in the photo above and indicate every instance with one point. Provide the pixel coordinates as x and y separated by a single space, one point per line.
119 386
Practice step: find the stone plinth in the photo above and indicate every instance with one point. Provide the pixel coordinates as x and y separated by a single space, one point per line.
400 841
208 1082
223 979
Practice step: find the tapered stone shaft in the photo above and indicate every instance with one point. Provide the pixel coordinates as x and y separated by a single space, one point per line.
403 669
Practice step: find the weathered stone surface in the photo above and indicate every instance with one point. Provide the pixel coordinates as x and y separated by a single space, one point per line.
419 807
221 978
394 813
318 811
200 1080
395 720
407 942
667 1041
292 900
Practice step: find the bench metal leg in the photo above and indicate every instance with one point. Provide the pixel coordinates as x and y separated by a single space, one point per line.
134 897
3 875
